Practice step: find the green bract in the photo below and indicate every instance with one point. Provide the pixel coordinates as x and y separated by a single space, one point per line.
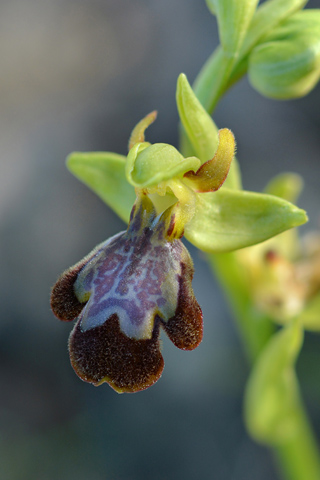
272 399
213 221
287 63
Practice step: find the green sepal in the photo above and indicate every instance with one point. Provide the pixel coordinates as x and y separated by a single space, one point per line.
137 134
103 172
234 17
287 63
227 220
272 397
287 186
150 165
199 126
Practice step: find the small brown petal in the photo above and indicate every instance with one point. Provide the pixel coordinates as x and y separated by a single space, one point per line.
105 354
64 302
185 329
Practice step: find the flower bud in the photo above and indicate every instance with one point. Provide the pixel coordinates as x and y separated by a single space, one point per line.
287 63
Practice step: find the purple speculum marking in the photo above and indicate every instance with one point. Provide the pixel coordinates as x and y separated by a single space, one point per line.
135 275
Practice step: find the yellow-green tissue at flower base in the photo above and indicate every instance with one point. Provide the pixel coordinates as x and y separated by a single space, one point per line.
286 64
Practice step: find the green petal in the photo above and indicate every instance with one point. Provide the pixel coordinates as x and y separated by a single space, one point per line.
103 172
287 63
149 165
272 396
199 126
213 173
231 219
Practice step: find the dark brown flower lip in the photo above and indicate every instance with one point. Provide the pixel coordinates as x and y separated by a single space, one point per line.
105 354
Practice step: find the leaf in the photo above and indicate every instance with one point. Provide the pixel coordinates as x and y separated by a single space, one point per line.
231 219
104 173
272 398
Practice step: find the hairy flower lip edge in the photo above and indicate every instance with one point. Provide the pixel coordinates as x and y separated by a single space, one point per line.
184 328
119 378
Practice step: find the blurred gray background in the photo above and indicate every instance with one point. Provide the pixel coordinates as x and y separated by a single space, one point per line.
78 75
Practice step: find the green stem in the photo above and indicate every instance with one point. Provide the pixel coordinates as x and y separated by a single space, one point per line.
298 457
254 327
218 67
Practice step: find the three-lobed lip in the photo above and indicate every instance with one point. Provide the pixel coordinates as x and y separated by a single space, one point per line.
121 294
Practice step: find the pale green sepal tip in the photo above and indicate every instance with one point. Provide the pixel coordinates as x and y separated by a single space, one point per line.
103 172
198 124
228 220
156 164
272 394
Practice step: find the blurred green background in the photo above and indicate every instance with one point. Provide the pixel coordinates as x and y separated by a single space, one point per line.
78 75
